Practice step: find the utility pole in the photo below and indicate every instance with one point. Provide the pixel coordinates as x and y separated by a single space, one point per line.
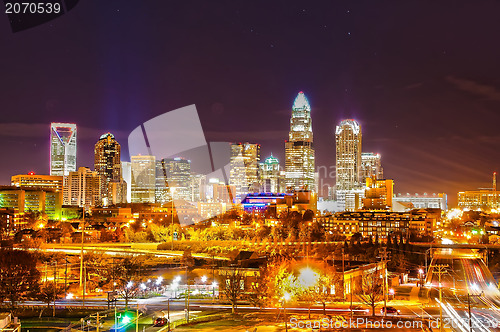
440 269
55 290
81 250
84 283
343 278
468 302
98 321
351 289
187 295
66 278
384 260
470 316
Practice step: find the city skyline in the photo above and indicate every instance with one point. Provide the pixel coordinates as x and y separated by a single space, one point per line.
407 85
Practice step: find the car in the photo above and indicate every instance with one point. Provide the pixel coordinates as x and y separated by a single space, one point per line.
390 310
160 321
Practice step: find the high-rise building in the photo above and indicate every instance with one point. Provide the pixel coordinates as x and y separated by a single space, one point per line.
127 177
143 179
271 180
219 192
299 150
198 187
348 158
177 172
378 194
62 148
32 180
162 192
244 172
108 165
82 188
371 166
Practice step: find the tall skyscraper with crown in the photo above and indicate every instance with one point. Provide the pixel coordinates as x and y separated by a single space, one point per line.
299 150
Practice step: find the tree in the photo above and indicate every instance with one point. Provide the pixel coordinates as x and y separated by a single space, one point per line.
50 292
19 277
329 288
259 289
308 295
231 285
128 290
308 215
372 289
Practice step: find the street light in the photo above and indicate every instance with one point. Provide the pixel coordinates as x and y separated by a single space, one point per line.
286 297
308 277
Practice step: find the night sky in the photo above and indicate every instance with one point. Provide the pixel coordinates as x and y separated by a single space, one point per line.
421 77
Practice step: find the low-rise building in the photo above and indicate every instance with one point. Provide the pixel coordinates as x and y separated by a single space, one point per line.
24 200
424 201
9 323
381 223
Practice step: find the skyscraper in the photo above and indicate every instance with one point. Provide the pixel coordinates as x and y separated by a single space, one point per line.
271 179
177 172
143 179
299 150
62 148
244 172
108 165
348 164
371 166
82 188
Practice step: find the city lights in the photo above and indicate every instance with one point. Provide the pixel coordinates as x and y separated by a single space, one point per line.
200 166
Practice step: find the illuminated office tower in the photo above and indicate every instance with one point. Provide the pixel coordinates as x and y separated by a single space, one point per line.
348 164
62 148
127 177
371 166
162 193
32 180
378 194
143 169
82 188
177 172
270 172
218 192
244 172
108 165
198 187
299 150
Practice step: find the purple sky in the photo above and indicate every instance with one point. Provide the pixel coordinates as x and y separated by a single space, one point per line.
422 78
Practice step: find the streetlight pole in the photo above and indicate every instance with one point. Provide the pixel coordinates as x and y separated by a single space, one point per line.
168 313
284 313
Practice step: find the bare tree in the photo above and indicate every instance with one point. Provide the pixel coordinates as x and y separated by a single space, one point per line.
128 290
259 289
50 292
232 284
329 288
372 289
19 277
